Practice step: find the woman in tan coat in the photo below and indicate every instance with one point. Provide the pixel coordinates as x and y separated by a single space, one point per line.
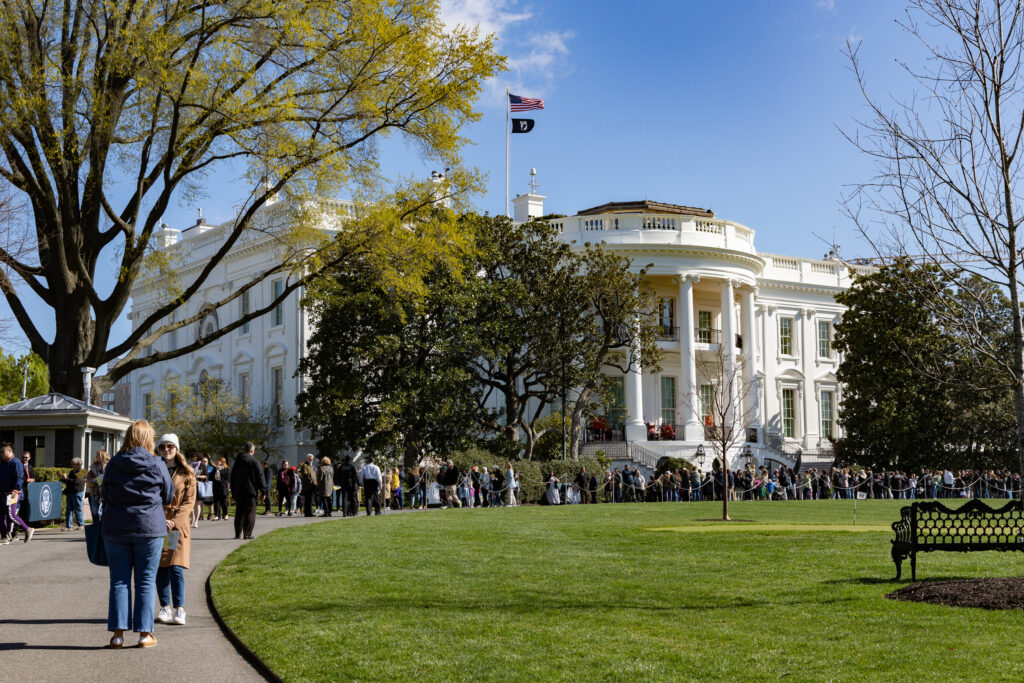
170 577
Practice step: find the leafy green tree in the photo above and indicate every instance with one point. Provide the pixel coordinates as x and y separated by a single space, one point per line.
12 376
385 368
615 321
212 419
112 110
912 394
947 168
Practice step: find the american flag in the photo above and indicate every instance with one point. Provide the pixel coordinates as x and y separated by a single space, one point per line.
517 103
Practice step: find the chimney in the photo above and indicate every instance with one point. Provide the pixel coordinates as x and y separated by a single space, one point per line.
166 236
87 384
528 206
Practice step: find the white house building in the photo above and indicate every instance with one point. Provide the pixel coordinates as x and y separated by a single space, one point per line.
775 315
259 360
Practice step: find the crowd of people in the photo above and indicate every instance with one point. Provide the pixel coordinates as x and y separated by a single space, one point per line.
782 483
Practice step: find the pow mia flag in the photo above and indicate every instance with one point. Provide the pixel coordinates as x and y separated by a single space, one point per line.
522 125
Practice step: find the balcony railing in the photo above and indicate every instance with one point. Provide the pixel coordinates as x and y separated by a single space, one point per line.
668 333
664 432
705 335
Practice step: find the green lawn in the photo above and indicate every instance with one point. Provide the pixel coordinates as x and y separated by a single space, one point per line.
610 592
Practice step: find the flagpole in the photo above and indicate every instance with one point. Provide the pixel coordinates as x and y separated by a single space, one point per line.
507 147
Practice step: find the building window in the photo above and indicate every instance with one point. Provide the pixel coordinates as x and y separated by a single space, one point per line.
667 317
244 306
704 327
789 413
668 400
277 387
277 316
786 336
243 387
827 411
707 404
617 409
824 339
147 406
172 338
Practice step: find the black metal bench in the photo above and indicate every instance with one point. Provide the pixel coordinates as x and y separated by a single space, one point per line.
928 526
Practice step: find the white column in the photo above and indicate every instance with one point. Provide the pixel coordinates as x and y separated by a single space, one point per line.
752 398
636 429
808 357
693 430
729 344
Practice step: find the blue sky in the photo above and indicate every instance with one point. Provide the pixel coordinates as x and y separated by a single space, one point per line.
727 105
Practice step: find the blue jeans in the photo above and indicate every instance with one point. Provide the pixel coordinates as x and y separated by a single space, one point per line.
171 581
126 556
75 508
95 507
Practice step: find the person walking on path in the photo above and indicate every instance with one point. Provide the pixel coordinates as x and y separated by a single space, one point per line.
135 488
221 477
307 475
268 486
170 577
12 482
93 479
370 476
325 484
246 483
74 493
348 479
285 489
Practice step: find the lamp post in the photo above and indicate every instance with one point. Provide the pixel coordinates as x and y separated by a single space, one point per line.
700 455
748 455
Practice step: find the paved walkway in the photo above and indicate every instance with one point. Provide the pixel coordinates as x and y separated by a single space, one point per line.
53 614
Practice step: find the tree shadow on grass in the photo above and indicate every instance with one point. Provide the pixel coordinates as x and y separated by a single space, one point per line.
876 580
540 606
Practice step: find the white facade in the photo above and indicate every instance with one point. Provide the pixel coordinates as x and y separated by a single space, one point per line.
259 361
775 314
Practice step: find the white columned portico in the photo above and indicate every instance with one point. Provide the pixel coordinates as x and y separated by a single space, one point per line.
693 430
729 346
636 429
750 388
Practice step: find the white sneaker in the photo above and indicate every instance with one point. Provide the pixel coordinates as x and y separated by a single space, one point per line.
6 540
164 615
29 534
179 616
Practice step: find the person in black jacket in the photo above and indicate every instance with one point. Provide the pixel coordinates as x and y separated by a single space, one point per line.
246 484
268 485
347 479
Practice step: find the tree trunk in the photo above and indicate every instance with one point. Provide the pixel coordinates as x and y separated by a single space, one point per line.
410 457
576 424
71 349
725 483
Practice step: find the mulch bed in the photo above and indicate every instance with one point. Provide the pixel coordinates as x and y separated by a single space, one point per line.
1005 593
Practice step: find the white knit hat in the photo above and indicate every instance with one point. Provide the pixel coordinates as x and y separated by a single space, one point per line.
169 438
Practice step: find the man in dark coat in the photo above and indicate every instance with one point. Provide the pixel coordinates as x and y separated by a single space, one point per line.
347 479
246 485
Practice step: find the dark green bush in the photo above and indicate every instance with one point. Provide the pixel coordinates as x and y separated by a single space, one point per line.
531 472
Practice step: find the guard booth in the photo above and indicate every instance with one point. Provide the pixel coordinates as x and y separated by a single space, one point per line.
56 428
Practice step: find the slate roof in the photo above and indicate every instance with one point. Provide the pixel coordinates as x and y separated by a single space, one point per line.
53 403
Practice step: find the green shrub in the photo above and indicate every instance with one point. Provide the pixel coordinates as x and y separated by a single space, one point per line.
49 473
674 464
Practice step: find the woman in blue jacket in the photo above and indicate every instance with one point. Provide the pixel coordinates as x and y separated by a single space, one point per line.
136 486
